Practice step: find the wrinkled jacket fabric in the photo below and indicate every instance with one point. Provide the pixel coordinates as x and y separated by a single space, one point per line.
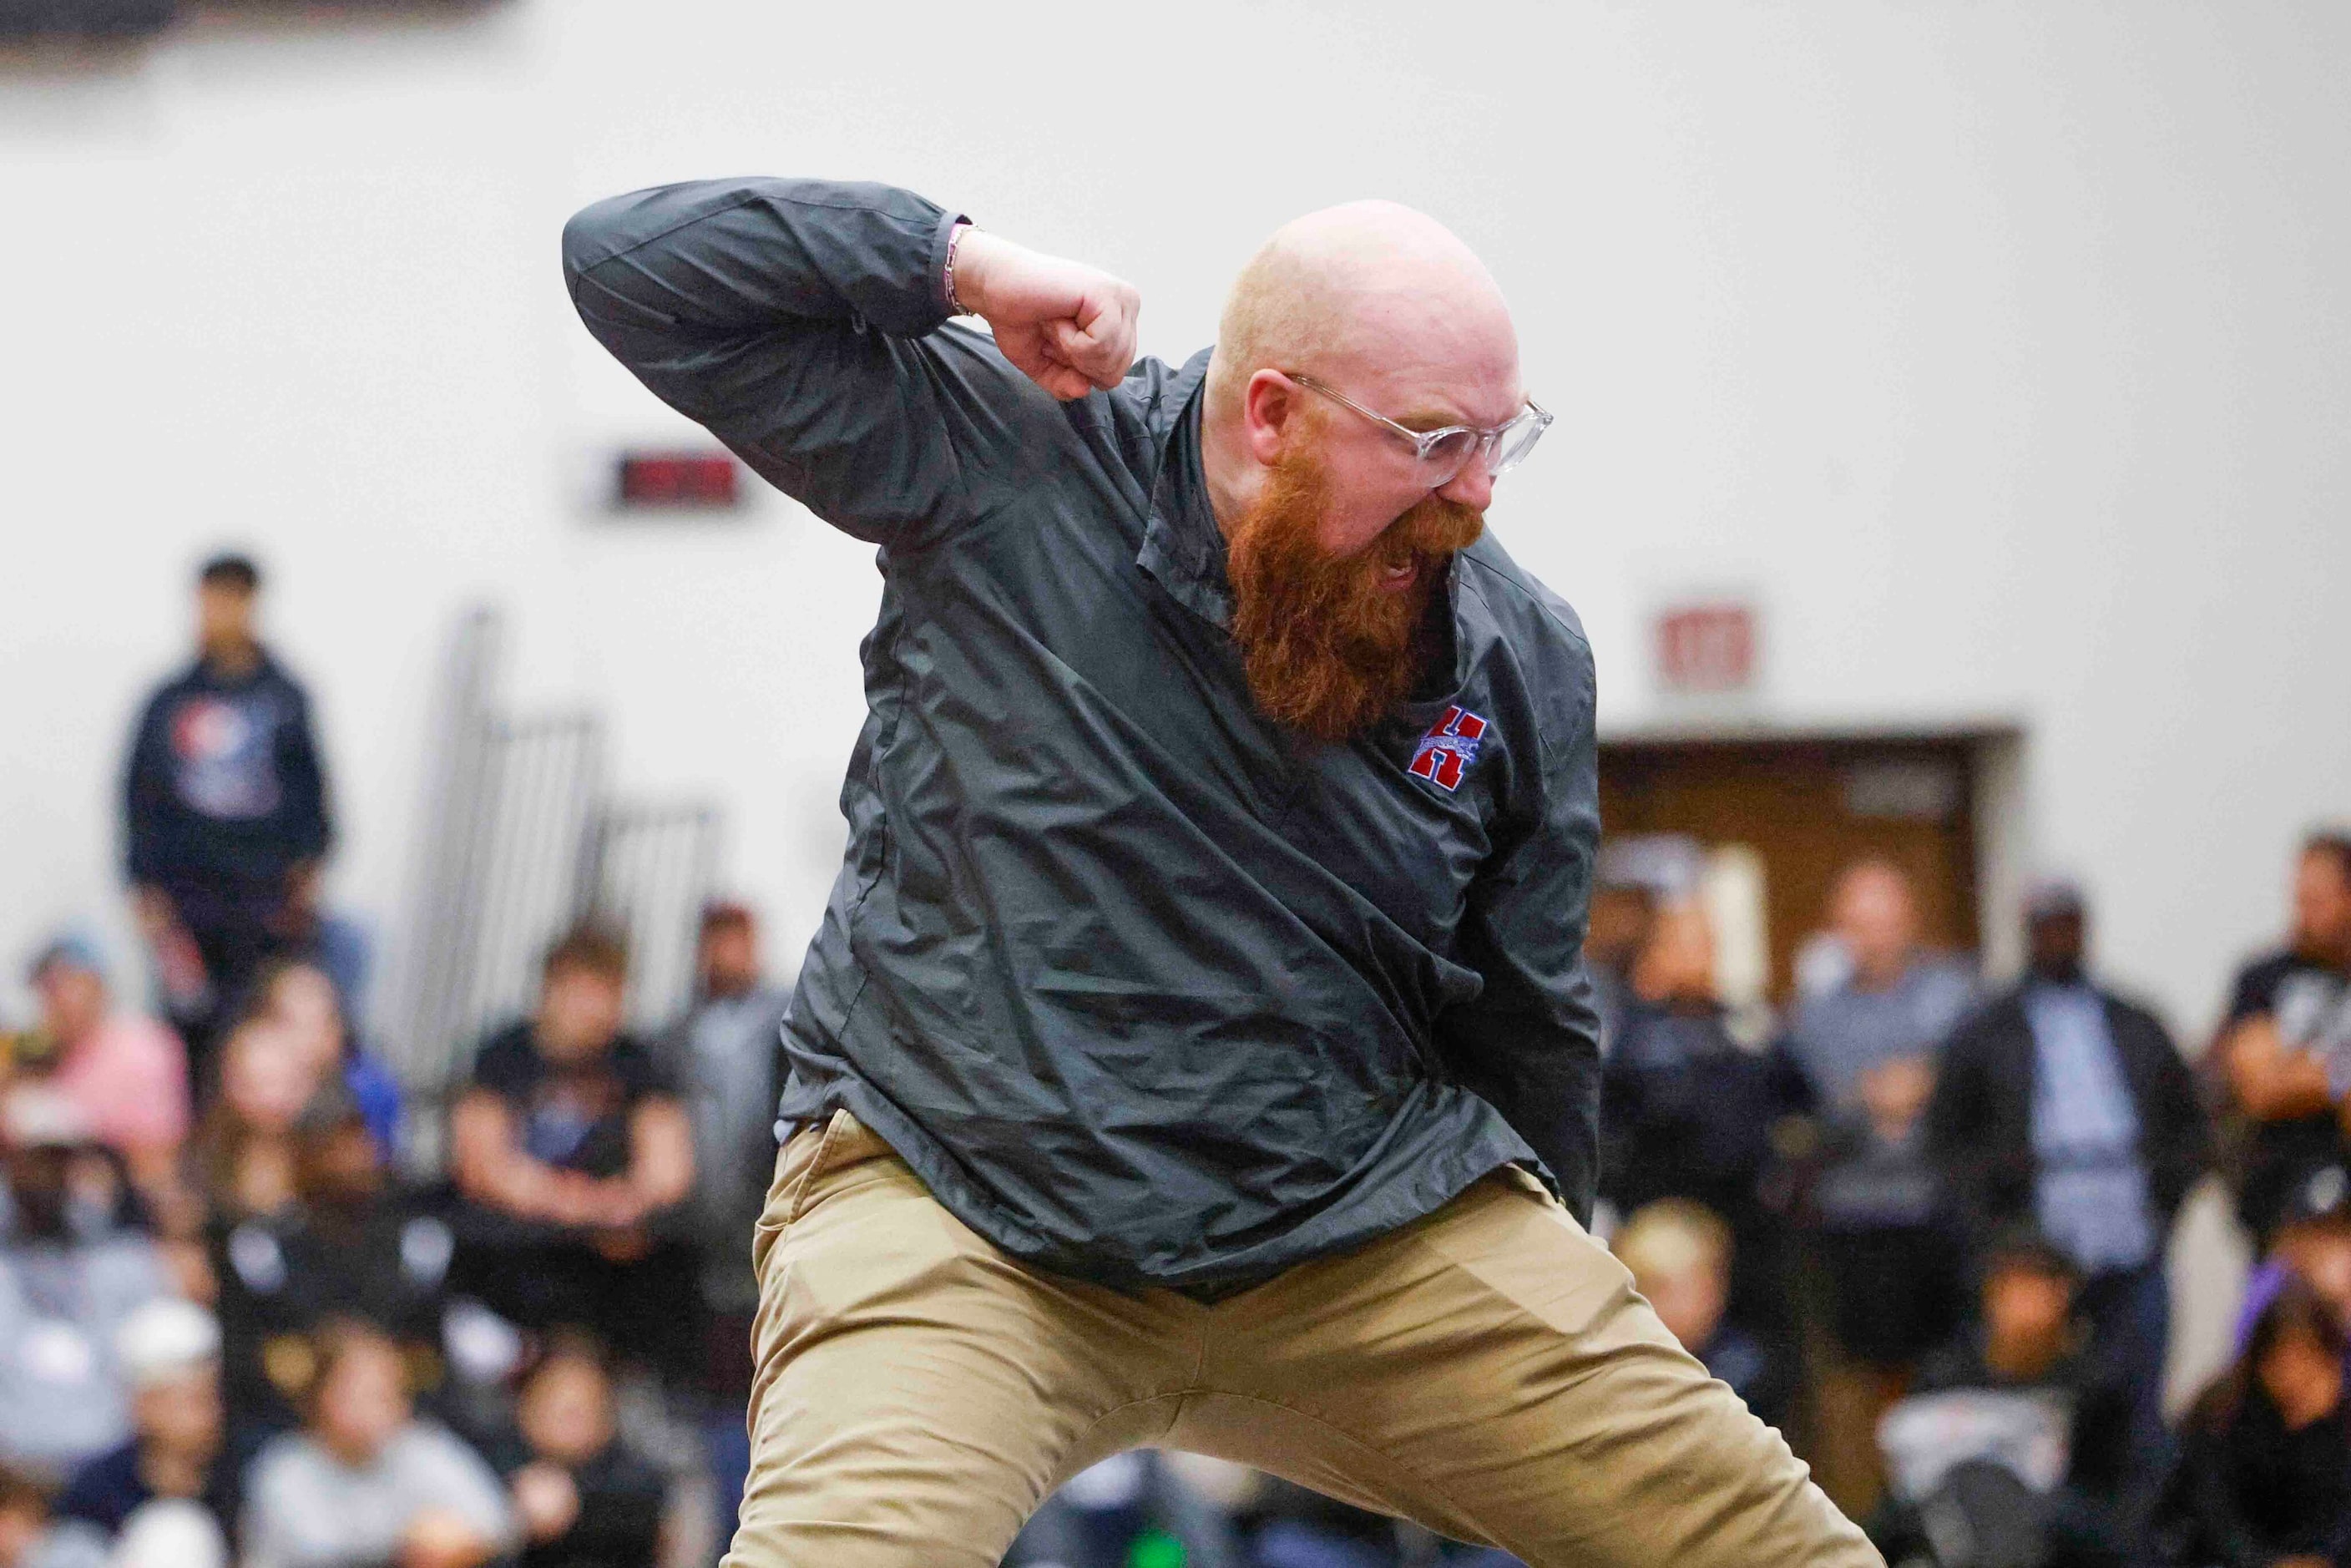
1147 989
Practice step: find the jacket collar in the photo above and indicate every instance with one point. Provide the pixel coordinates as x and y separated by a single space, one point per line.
1183 547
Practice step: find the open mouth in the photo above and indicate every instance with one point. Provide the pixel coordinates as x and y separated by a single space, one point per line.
1400 575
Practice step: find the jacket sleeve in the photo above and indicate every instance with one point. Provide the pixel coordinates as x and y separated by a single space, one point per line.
146 795
799 321
1957 1119
2175 1135
1977 1121
1530 1044
309 831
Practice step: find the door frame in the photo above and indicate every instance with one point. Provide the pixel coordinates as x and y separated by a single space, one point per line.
1997 757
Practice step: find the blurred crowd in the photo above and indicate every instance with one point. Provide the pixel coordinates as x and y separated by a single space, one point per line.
1919 1224
1923 1225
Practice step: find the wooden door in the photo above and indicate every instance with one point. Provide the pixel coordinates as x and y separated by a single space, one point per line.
1810 808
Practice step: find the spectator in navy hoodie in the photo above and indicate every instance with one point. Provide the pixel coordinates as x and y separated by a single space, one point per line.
225 805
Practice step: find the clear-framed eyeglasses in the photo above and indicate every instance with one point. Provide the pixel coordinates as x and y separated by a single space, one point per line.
1444 452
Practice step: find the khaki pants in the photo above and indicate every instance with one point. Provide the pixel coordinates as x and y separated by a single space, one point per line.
1487 1370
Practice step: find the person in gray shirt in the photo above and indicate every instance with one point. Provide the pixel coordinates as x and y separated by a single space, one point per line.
1870 1042
1869 1038
1202 967
366 1482
725 1057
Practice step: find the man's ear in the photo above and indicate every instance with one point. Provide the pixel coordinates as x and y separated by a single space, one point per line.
1270 406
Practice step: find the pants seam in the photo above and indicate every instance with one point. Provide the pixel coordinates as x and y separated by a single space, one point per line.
1177 1395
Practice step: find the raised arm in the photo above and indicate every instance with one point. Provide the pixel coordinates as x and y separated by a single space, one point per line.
800 321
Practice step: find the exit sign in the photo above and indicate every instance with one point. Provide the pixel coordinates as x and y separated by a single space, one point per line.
1709 646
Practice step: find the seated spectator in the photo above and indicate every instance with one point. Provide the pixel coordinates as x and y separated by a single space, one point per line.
125 1073
353 1243
301 997
2311 1242
245 1152
181 1444
583 1498
29 1538
69 1278
1869 1042
727 1053
570 1149
2289 1013
1626 890
224 811
2264 1475
1680 1256
2062 1105
2026 1390
1687 1111
365 1480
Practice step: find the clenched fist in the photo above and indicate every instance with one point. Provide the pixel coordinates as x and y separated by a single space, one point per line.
1069 327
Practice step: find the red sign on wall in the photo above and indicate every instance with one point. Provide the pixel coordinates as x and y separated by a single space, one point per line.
699 479
1707 647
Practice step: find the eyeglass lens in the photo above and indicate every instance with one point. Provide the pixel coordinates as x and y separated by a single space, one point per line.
1504 449
1512 445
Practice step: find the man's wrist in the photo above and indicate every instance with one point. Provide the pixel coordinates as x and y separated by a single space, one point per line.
962 288
971 253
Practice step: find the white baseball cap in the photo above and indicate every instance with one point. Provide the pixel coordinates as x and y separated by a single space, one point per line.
166 1337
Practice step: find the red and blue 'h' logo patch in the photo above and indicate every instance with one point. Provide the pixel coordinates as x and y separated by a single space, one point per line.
1448 748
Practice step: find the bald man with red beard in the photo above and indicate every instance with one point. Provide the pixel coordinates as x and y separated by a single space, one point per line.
1196 1051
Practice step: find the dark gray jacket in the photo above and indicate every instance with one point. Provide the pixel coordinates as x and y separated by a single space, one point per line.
1144 988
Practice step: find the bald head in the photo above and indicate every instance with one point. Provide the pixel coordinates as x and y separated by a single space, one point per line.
1353 333
1377 290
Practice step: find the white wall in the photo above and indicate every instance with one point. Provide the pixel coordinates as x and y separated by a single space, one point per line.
2003 349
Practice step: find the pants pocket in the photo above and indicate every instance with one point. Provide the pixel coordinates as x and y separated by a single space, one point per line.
797 1164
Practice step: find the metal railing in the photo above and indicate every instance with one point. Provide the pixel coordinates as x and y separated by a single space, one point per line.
519 840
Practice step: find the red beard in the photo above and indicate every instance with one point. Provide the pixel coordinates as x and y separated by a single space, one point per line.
1328 649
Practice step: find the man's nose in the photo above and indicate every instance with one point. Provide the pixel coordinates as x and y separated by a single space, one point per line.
1472 487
